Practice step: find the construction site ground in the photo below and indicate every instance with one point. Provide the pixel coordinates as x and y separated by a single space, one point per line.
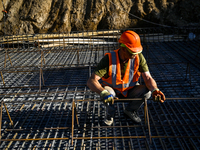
45 103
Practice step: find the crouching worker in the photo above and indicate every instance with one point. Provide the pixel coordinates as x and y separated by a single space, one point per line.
120 71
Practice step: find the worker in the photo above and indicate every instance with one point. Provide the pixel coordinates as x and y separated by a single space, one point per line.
120 71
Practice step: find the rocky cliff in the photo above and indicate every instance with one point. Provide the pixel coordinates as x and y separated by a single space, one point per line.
42 16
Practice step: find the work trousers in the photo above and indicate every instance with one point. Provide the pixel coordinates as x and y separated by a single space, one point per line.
138 91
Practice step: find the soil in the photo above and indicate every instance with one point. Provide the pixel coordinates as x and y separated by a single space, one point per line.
47 16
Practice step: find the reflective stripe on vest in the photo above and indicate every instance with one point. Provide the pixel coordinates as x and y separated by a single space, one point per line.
115 81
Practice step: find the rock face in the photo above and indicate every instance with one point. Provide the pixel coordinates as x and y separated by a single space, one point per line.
43 16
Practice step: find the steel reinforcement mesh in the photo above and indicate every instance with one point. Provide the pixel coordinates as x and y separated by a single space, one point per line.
44 116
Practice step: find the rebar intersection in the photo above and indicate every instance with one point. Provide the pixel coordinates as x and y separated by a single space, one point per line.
43 113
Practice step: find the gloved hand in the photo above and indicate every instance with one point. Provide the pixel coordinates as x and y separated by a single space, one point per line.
158 96
106 97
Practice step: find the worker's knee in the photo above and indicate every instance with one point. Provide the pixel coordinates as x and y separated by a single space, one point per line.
147 95
110 90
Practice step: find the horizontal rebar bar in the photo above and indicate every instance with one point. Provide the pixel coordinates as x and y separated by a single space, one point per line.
88 100
94 127
45 118
93 138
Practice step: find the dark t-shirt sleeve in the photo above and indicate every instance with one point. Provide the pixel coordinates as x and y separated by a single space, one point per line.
143 64
102 67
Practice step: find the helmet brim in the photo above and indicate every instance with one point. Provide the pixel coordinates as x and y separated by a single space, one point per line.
134 50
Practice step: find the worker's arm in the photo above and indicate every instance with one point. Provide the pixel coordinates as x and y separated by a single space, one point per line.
149 81
93 83
152 86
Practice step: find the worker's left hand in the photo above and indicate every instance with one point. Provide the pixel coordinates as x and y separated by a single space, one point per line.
107 97
158 96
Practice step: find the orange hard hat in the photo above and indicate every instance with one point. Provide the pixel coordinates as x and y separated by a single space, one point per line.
131 40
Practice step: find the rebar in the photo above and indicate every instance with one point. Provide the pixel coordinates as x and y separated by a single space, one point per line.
63 111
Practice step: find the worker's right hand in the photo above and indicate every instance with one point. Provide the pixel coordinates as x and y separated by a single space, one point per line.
158 96
106 97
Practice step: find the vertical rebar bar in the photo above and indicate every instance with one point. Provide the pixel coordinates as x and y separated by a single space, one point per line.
1 118
8 114
2 79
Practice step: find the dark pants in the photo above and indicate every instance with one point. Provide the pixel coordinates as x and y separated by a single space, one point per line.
138 91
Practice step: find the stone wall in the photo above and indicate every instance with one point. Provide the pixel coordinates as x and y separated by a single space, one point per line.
47 16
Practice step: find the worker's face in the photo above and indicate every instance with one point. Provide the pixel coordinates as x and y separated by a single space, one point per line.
127 54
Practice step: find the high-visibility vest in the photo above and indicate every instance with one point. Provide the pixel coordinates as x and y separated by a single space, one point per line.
115 80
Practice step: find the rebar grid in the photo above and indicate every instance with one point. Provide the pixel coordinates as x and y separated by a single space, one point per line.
168 126
43 116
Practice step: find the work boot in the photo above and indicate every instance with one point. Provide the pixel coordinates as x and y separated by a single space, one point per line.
108 120
133 115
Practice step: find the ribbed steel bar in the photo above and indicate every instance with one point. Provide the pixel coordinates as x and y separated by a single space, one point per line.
92 138
1 118
55 134
193 107
177 130
121 129
184 53
55 49
8 114
64 124
147 116
191 119
164 51
180 127
2 78
163 128
84 109
186 130
37 116
92 134
147 142
99 131
190 131
9 135
86 100
84 118
96 127
42 123
126 123
55 60
51 119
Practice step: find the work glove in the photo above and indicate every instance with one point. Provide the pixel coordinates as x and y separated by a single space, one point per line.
106 97
158 96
